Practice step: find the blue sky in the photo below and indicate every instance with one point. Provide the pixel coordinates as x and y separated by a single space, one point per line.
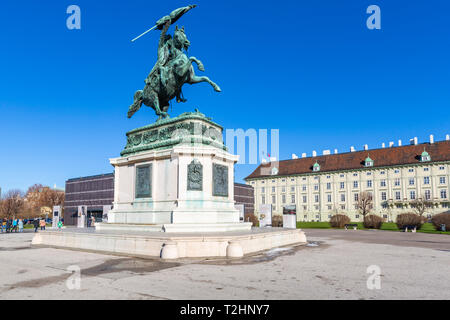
311 69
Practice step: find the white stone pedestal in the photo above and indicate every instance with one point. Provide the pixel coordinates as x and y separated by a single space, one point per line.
155 187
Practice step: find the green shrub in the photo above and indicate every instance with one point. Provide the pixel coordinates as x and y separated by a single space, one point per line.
441 218
250 217
277 221
373 221
409 219
339 221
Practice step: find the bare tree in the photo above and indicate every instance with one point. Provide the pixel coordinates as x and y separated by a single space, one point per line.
365 203
420 205
39 196
11 204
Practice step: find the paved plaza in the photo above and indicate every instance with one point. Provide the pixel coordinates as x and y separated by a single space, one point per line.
333 266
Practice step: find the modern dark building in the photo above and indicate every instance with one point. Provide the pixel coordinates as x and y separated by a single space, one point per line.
98 191
244 194
93 192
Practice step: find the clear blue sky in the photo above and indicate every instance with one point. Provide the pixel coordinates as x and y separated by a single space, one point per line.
311 69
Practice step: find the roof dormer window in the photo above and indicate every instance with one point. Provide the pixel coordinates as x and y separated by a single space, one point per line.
316 167
368 162
425 156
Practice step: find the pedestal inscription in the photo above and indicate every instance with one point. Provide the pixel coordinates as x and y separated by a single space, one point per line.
195 176
220 180
144 181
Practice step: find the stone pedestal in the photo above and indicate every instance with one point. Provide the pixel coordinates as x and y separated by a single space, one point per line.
176 176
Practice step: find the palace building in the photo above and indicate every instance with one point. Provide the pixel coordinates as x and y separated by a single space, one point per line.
321 186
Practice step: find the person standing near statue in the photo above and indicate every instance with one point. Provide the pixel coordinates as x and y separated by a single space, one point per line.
20 224
36 224
42 224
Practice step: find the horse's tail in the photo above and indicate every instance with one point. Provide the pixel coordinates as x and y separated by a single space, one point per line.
136 104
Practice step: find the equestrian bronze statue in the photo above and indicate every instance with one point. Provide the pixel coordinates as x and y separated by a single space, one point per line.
171 71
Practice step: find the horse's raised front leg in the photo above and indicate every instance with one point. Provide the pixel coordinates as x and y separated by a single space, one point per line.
196 79
200 65
137 103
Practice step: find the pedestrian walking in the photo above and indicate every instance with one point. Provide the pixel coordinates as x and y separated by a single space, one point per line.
14 225
3 226
20 224
42 224
35 224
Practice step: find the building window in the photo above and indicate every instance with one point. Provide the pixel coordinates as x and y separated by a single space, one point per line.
426 169
383 183
412 195
283 189
369 183
283 180
357 216
441 168
426 180
356 197
292 198
355 184
263 182
382 172
263 200
445 205
343 206
427 194
329 197
383 196
342 185
442 180
273 181
397 182
443 194
399 206
398 195
411 181
396 171
304 187
283 198
384 206
369 173
292 180
342 197
355 174
304 199
274 200
328 177
411 170
305 208
263 190
316 198
328 186
316 187
292 189
273 189
329 207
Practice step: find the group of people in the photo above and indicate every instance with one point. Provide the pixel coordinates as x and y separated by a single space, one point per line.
16 225
12 225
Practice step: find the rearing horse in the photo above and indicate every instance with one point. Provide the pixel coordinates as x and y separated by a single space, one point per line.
170 73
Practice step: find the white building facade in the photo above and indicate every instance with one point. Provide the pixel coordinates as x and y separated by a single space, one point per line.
322 186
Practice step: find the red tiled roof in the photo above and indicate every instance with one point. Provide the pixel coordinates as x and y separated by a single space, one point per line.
409 154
